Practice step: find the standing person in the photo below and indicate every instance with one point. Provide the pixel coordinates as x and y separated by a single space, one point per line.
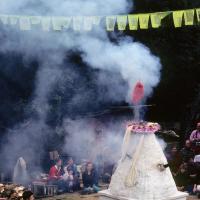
90 184
195 138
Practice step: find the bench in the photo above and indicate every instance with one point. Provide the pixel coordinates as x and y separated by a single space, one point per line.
42 189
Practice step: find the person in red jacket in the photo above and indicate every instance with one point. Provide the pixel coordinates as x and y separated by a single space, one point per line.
55 176
55 171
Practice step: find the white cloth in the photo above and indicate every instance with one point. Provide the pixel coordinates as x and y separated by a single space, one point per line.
20 175
151 183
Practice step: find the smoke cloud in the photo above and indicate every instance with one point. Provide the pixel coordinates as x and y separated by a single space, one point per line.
116 66
87 139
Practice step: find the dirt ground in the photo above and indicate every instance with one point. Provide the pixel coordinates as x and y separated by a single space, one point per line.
76 196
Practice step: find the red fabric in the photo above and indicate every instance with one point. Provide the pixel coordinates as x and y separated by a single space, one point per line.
54 173
138 93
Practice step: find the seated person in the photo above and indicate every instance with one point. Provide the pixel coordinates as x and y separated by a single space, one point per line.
174 159
182 179
196 189
107 172
71 166
55 171
90 184
192 171
68 178
55 177
187 151
28 195
13 195
195 139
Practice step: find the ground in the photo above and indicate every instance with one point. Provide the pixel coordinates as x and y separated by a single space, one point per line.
77 196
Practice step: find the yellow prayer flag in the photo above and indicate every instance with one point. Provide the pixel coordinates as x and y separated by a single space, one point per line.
110 23
59 23
77 23
122 22
35 20
46 23
189 17
178 18
198 14
67 22
88 23
133 22
144 21
156 18
4 19
24 23
13 19
96 20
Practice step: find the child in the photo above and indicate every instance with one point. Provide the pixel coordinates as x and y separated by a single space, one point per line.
69 179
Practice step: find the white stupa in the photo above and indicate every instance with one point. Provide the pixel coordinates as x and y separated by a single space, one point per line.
138 176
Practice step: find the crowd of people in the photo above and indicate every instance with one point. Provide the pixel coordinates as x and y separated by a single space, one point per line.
185 164
69 179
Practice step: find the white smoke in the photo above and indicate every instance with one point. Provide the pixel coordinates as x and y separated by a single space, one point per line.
66 7
88 139
132 60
